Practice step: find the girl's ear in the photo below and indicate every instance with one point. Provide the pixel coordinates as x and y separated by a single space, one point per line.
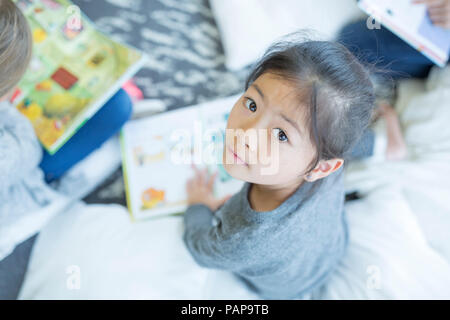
324 169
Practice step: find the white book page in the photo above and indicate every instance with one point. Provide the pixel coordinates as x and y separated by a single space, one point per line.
154 177
403 11
153 149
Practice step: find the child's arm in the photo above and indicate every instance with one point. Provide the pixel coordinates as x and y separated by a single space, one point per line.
211 246
20 151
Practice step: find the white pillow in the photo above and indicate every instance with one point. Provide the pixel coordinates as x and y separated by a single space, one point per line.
248 27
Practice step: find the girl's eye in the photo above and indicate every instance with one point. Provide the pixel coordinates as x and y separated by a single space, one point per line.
250 104
280 135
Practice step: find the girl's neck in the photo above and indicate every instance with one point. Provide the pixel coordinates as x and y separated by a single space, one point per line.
264 197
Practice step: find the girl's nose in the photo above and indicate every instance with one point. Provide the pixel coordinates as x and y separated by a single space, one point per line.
249 141
254 129
239 141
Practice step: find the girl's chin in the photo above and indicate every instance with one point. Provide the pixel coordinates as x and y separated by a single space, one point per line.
236 170
238 173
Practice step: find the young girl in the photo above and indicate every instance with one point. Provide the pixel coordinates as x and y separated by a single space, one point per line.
283 233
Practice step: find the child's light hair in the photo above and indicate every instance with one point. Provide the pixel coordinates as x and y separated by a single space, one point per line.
15 46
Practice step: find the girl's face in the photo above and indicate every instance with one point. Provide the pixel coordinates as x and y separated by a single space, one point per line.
267 131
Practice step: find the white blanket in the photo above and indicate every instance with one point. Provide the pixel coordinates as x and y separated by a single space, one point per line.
78 182
399 240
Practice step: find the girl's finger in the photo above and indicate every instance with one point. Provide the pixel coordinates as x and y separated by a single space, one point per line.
438 19
198 174
430 2
437 10
198 178
204 176
194 167
443 25
211 180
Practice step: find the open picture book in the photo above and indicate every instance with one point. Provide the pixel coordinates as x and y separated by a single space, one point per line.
75 69
157 153
411 23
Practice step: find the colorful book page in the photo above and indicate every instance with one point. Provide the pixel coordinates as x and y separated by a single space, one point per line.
74 70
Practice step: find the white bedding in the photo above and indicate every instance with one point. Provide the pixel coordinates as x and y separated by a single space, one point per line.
399 240
78 182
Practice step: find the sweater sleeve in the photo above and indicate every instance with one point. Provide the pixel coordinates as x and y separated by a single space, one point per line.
20 151
208 244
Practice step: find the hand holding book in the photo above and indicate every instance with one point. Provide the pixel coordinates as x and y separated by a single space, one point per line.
200 189
438 10
424 24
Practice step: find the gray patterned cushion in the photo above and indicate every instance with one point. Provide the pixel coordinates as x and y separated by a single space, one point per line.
186 59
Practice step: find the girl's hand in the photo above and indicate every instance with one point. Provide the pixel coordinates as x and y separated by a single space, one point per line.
439 11
200 189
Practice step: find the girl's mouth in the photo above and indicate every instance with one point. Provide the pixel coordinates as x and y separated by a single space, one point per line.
237 159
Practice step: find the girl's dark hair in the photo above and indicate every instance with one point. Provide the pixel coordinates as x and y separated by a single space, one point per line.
340 93
15 45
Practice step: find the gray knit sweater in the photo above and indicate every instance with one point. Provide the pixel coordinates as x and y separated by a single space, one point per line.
23 190
280 254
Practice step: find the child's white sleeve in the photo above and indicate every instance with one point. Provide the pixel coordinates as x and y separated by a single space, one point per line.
20 151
